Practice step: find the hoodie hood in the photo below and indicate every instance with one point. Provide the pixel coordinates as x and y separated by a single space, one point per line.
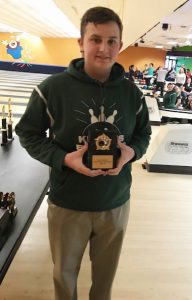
76 69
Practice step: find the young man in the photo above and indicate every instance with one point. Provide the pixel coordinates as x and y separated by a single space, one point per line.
132 73
87 205
148 75
160 80
170 97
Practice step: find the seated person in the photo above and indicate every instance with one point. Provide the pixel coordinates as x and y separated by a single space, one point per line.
170 97
131 75
188 85
189 102
155 95
183 96
188 73
178 93
138 73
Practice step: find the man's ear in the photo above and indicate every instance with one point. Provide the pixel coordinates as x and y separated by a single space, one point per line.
121 45
80 42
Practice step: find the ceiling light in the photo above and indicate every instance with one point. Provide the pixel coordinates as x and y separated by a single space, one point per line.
159 46
172 43
23 35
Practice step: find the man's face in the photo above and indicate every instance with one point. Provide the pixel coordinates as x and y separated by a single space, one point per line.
100 46
170 87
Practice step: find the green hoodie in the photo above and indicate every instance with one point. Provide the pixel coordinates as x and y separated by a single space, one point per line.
170 99
69 103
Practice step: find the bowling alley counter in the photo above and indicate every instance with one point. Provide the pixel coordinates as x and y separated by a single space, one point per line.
29 180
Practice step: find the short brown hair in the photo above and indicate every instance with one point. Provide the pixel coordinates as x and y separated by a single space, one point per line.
100 15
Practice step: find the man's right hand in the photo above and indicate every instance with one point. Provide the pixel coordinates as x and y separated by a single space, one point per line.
74 160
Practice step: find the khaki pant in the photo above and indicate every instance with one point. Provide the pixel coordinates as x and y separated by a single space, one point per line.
69 233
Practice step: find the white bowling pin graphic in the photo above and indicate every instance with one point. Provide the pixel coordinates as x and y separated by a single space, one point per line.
111 118
93 117
102 115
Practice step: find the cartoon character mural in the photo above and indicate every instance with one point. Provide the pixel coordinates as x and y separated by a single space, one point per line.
21 54
14 48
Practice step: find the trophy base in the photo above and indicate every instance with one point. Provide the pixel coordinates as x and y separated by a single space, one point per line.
6 223
10 139
3 144
14 212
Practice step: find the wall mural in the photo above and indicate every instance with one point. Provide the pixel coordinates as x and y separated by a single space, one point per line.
18 51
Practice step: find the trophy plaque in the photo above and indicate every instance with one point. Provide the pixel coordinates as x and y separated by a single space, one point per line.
102 146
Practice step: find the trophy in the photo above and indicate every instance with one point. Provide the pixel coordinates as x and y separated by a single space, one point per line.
8 211
11 204
10 122
102 141
102 146
7 202
4 127
4 223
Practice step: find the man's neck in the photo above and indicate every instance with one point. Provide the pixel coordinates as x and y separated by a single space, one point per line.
99 76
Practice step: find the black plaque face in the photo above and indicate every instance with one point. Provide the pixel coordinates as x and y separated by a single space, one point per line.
102 147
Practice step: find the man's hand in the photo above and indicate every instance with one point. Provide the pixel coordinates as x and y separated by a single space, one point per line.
127 153
74 160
